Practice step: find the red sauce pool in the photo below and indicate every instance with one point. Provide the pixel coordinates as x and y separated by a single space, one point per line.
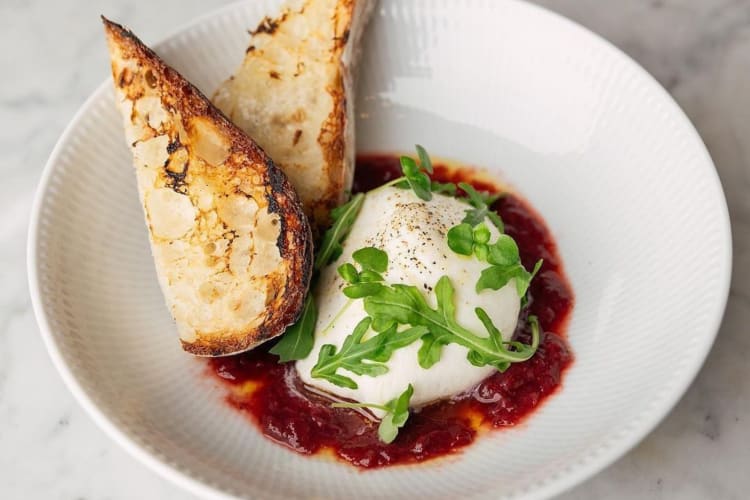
273 397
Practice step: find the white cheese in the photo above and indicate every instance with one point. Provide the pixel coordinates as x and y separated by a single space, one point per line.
413 234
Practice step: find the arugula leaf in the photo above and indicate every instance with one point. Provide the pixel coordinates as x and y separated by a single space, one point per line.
397 417
370 276
496 277
382 324
480 210
350 356
535 337
430 351
362 357
391 305
476 358
404 304
343 220
298 340
359 290
522 285
397 340
495 335
398 304
396 414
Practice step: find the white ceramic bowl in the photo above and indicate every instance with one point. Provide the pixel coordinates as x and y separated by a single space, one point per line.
593 141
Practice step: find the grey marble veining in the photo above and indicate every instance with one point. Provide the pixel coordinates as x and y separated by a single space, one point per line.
53 56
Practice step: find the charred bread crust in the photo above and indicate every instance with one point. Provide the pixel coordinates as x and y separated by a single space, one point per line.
245 160
311 136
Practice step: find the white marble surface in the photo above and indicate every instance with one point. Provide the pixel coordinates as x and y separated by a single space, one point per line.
53 57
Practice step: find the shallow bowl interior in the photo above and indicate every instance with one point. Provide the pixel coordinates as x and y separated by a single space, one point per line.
585 134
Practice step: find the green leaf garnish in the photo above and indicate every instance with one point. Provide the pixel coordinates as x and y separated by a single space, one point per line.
430 352
502 255
496 277
371 259
343 220
351 355
465 240
391 305
495 335
405 305
298 340
447 188
370 276
366 282
348 273
480 210
418 181
416 176
359 290
506 265
424 159
396 414
504 252
362 357
461 239
481 235
523 285
490 198
397 417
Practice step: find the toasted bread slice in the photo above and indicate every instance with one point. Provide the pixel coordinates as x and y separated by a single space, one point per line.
230 240
293 94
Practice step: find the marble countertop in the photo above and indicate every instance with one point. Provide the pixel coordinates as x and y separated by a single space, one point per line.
54 57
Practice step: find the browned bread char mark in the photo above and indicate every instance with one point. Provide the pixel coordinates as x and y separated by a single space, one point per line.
210 196
293 93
